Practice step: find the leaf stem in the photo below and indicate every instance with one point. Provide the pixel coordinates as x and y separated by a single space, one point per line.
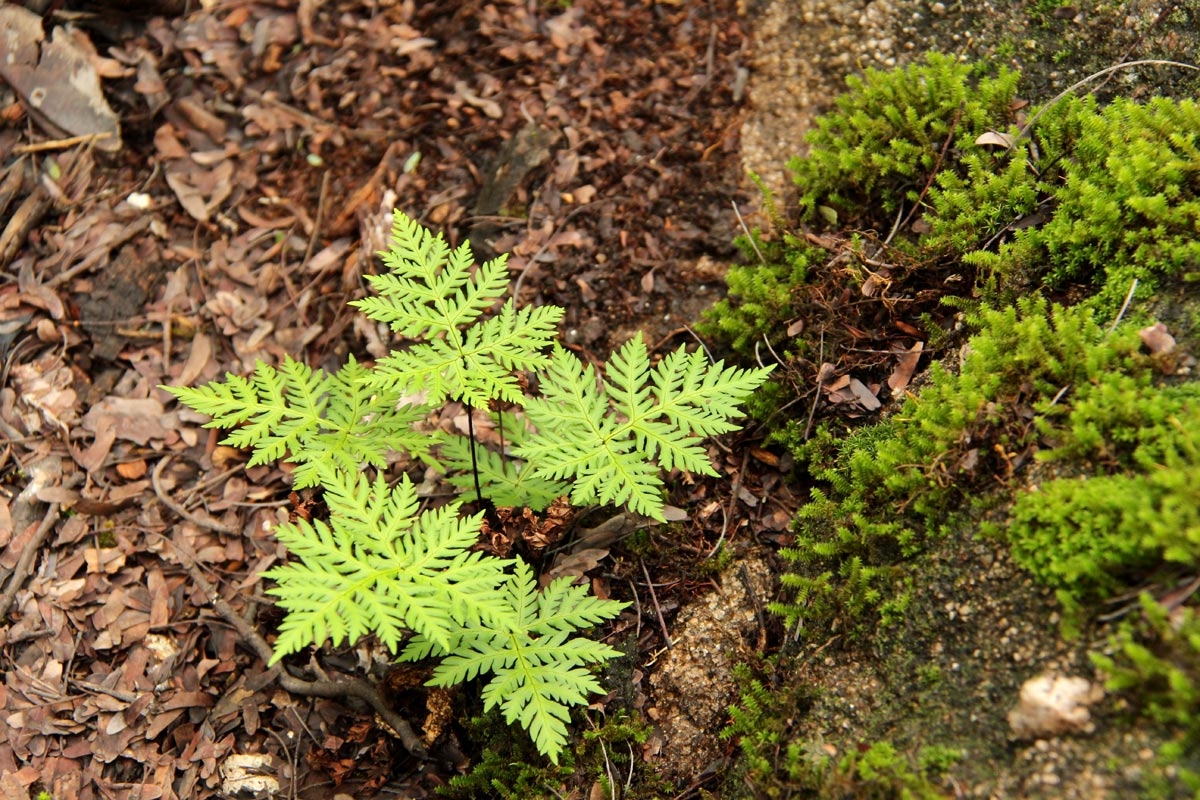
474 464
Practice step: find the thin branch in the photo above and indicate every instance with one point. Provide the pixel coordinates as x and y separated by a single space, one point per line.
657 608
180 511
1124 307
745 230
330 689
25 562
1148 62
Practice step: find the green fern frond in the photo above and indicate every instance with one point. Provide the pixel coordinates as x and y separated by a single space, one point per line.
537 671
430 290
275 407
376 568
475 365
319 421
666 411
432 294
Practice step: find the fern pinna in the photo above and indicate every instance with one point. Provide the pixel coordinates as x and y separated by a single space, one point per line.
380 567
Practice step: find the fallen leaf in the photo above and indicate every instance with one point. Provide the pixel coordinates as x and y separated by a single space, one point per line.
574 564
906 365
131 419
865 397
132 470
995 139
55 78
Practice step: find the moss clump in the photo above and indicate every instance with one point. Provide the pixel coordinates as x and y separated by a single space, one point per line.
763 296
511 768
891 485
776 765
1128 205
1091 536
893 131
1157 661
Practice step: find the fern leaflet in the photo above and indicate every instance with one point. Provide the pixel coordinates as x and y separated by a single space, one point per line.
431 293
377 568
320 421
537 670
664 413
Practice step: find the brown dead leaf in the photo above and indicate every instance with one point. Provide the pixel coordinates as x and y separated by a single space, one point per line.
995 139
198 358
45 393
865 397
906 365
130 419
200 191
132 470
575 564
55 78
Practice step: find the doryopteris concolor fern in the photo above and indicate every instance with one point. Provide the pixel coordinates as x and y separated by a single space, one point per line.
377 566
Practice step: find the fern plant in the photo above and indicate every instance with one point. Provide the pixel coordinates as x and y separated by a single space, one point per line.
378 566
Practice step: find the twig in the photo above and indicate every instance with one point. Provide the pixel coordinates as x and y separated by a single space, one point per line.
1147 62
937 165
1124 307
746 230
210 524
812 412
316 229
657 608
733 493
293 787
61 144
25 562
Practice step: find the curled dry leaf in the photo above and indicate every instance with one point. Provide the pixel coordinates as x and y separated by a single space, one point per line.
906 365
995 139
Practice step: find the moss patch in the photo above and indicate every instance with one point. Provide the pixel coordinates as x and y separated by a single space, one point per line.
1053 428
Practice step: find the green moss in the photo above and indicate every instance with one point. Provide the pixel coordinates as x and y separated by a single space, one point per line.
1091 536
890 486
762 295
1128 205
511 769
1085 202
1155 660
777 765
891 133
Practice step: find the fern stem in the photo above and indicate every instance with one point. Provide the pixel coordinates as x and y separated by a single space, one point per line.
474 464
500 429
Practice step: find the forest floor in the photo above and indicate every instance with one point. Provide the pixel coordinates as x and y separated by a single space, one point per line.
262 148
603 145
